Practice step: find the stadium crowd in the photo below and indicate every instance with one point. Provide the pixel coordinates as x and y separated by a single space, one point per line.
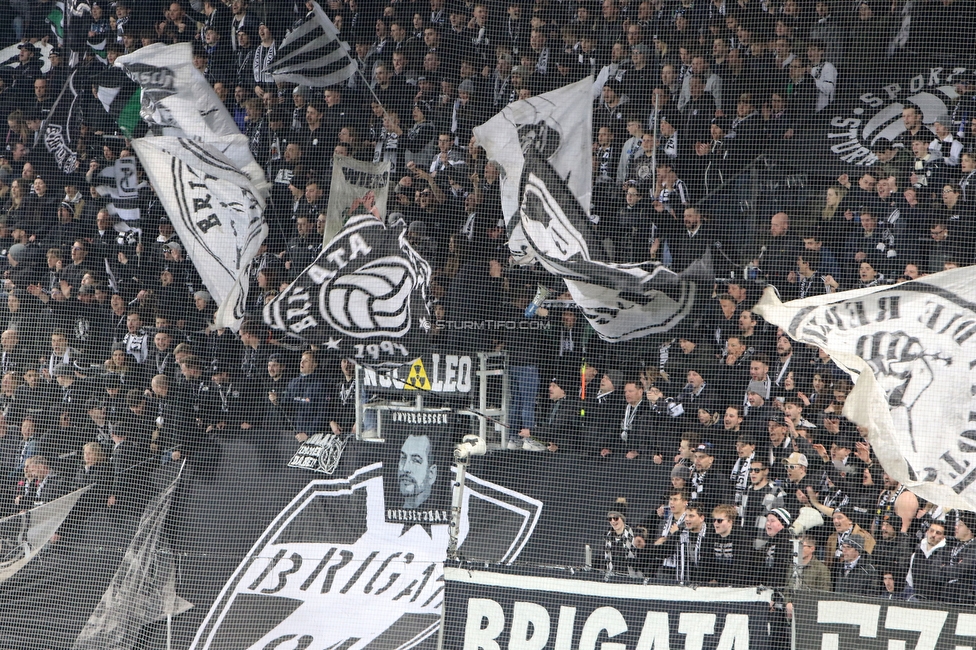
111 365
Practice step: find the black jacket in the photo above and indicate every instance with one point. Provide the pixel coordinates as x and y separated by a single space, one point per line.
960 573
729 561
859 580
636 437
928 578
563 426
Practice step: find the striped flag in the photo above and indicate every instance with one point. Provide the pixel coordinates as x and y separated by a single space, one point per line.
312 54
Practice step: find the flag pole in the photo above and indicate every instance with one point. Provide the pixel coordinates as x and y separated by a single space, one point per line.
583 388
365 81
345 46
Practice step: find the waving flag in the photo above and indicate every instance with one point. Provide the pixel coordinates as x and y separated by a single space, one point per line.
24 535
215 209
312 54
910 348
357 186
543 146
119 97
143 589
176 100
367 287
61 128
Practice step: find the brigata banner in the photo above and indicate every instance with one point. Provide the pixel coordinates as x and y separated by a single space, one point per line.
492 610
333 571
826 620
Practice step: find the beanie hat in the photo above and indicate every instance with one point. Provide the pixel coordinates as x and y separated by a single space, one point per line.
18 253
967 517
618 508
854 540
783 515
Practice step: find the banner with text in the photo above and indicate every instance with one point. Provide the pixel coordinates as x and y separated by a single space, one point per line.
437 373
357 188
417 480
332 572
842 622
500 610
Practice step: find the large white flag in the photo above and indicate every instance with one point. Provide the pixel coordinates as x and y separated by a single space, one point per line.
911 350
178 101
23 535
543 147
559 124
215 209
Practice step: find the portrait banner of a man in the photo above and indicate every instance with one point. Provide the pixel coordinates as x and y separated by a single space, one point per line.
417 466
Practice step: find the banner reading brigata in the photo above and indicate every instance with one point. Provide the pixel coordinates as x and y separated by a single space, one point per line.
499 610
362 293
331 572
826 620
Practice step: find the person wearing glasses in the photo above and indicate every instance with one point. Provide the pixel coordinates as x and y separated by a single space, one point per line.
729 561
759 499
621 548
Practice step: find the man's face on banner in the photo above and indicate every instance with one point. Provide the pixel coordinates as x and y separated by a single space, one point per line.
416 473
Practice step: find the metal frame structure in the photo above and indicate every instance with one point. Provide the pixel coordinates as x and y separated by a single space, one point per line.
488 406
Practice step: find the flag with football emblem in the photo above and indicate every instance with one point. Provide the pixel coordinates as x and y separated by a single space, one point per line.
364 295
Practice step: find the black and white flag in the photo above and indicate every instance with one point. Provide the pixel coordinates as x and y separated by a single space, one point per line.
61 129
120 183
312 54
542 146
367 288
177 100
143 589
910 348
24 535
217 213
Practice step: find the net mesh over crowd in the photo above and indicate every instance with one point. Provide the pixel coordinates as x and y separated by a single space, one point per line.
562 324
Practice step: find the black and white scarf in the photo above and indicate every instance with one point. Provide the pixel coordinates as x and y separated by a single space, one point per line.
263 56
625 540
